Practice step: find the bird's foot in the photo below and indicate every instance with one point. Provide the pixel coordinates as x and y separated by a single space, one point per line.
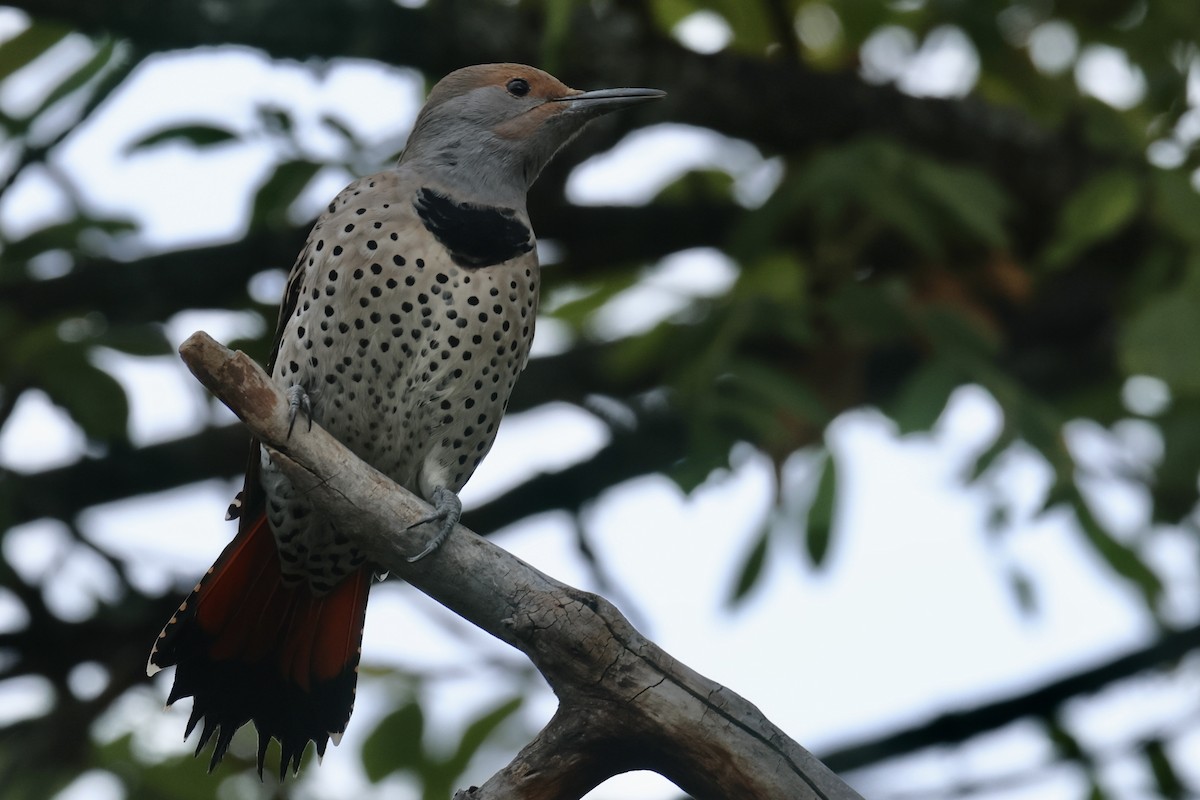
298 401
447 509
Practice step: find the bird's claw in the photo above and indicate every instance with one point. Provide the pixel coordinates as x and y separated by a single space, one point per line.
298 401
447 509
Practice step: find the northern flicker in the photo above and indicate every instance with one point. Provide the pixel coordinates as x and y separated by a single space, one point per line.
406 321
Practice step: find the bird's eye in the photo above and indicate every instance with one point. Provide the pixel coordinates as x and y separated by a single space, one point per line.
518 87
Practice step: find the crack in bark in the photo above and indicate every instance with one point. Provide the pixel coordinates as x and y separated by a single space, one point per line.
645 689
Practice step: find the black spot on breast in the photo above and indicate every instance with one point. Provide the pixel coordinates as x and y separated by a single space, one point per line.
475 236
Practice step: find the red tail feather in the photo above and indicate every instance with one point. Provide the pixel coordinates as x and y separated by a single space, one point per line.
251 648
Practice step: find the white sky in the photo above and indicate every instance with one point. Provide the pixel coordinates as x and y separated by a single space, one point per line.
911 616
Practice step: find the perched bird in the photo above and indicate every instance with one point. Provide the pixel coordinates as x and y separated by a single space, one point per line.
405 323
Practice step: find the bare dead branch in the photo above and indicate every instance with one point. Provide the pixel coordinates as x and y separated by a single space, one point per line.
624 703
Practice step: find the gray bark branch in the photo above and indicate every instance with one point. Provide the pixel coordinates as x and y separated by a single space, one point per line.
624 703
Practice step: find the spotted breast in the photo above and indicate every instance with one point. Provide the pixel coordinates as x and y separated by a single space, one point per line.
407 328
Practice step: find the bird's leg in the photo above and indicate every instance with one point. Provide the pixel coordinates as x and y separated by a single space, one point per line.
298 400
447 509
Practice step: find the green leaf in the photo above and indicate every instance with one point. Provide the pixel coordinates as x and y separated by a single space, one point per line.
777 277
1176 204
441 776
960 335
734 414
698 186
1166 779
281 190
276 120
93 398
924 395
1160 340
751 569
1098 210
1040 425
968 197
819 528
177 778
1065 743
27 45
556 32
752 31
576 312
68 236
1061 491
872 312
1108 130
1121 558
781 392
79 77
669 13
479 731
989 456
198 134
340 127
893 206
395 743
1174 488
136 340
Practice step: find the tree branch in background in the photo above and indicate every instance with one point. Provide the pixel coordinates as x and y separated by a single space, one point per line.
624 703
611 47
1043 702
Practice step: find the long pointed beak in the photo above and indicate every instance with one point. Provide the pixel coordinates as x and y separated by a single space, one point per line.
601 101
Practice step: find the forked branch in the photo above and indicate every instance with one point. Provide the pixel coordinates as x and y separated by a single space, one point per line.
624 704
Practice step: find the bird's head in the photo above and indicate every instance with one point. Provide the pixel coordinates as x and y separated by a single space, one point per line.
492 128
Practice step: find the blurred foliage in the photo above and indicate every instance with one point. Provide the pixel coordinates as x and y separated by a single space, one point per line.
1021 239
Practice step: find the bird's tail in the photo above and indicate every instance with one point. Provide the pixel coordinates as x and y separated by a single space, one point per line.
250 647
